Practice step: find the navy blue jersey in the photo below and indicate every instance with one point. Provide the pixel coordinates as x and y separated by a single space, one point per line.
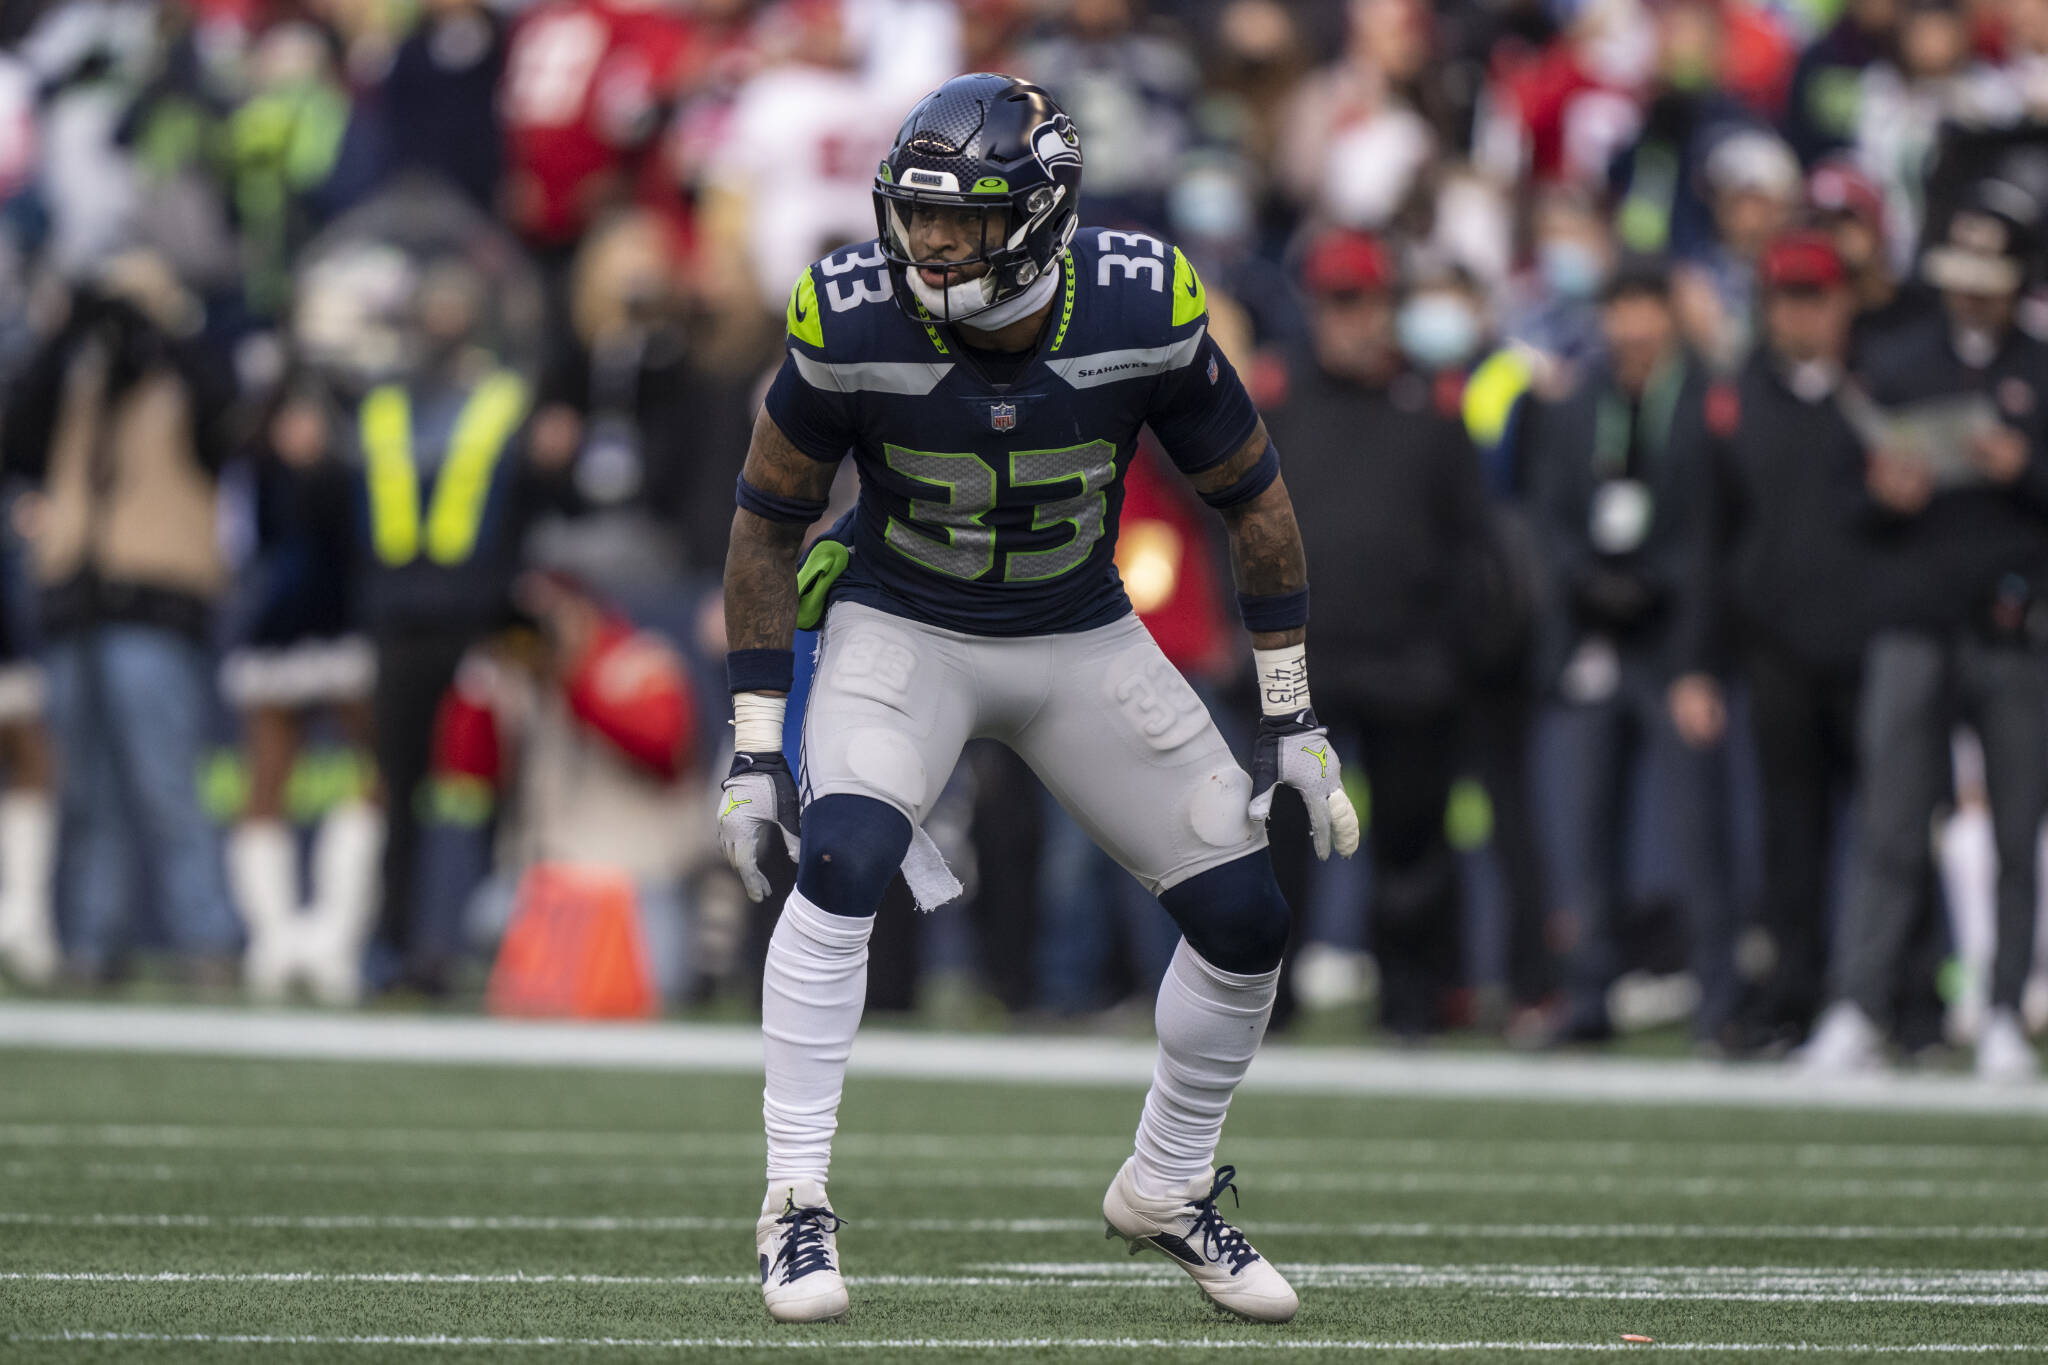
990 508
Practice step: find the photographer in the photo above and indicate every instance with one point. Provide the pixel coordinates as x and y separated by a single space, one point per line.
120 422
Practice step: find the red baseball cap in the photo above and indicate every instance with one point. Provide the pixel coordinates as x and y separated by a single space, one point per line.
1801 260
1342 261
1837 185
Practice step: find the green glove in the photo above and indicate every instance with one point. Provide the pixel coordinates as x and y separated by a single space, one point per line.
827 560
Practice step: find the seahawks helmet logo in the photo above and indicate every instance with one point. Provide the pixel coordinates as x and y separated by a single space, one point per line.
1055 144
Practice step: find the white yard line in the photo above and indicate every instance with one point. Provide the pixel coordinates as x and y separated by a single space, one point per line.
932 1056
1974 1288
922 1147
827 1342
182 1277
1825 1232
999 1175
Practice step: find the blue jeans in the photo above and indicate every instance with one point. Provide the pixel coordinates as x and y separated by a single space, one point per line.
129 705
1597 752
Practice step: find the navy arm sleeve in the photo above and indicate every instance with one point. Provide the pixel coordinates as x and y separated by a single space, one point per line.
1200 412
819 424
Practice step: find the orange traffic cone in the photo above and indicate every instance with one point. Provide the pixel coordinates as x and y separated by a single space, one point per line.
573 948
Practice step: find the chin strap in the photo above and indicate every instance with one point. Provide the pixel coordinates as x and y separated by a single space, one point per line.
952 304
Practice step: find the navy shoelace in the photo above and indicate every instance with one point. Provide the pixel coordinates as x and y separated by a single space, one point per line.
1221 1241
803 1250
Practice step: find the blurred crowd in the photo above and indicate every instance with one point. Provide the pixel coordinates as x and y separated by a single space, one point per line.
1657 382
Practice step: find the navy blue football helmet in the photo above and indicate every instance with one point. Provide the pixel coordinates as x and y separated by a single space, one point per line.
1001 150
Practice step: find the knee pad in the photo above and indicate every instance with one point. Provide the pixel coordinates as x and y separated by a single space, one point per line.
1233 915
852 846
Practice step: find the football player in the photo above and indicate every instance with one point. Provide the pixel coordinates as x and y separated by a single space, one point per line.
988 366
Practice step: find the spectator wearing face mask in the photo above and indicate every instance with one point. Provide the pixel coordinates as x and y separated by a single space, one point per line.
1959 524
1396 495
1615 466
1774 599
1214 218
1553 308
1440 324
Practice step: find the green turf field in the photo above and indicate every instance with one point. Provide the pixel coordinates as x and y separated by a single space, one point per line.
184 1209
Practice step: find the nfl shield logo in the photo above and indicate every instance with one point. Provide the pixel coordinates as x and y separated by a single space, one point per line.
1002 416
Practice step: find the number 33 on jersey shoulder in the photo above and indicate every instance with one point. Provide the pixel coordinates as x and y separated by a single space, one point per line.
991 507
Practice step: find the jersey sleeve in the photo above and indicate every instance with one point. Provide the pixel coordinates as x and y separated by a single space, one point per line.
819 422
1200 411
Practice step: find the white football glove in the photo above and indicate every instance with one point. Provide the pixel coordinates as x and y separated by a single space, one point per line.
1294 751
759 796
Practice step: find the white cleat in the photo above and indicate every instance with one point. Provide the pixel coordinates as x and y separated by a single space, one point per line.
1190 1231
1844 1043
799 1249
2003 1052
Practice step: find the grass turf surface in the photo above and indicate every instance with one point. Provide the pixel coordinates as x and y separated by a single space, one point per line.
490 1214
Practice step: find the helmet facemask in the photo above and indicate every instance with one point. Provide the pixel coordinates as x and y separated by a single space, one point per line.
917 224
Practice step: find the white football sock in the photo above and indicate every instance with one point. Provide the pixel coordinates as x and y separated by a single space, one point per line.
263 871
348 851
811 996
1210 1024
28 925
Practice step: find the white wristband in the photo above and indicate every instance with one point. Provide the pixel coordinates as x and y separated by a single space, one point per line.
757 722
1283 679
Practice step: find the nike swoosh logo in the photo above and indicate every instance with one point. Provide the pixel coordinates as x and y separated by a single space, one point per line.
800 311
1192 288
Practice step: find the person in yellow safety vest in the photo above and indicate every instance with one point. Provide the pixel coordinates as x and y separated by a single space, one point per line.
1503 694
449 488
1491 402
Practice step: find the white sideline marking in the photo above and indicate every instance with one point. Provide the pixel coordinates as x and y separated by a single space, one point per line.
1032 1060
1826 1232
680 1176
921 1147
530 1278
1761 1284
1005 1176
831 1343
1750 1284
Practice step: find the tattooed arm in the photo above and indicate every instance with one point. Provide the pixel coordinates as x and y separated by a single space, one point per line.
760 561
1292 748
1265 545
